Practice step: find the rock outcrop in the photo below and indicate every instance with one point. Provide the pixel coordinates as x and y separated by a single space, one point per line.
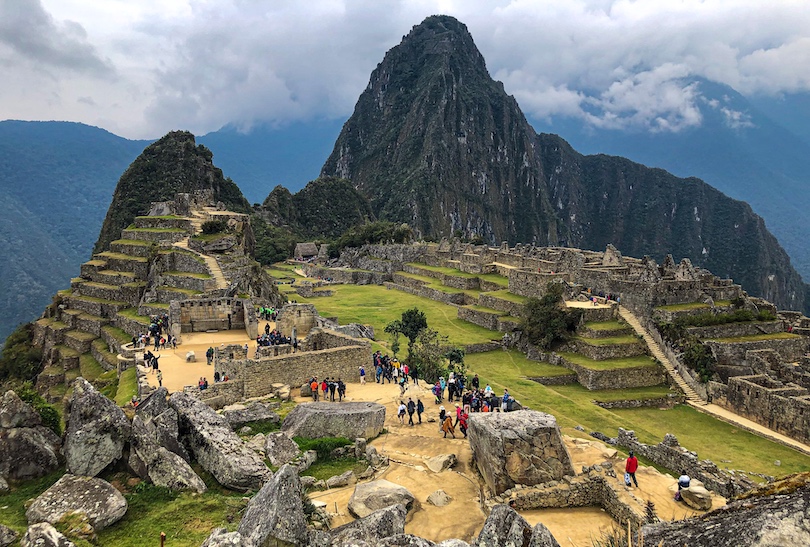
239 415
153 462
697 497
522 447
350 420
97 430
27 449
369 497
279 448
776 514
505 527
275 515
44 535
373 528
215 447
220 537
96 498
442 462
7 536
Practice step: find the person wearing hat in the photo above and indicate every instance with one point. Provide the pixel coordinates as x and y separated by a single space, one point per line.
630 468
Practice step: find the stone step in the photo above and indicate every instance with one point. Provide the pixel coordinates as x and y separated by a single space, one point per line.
96 306
155 235
167 294
125 263
190 281
101 353
114 337
131 247
128 292
112 277
91 266
79 340
92 324
50 376
153 308
130 322
164 222
65 357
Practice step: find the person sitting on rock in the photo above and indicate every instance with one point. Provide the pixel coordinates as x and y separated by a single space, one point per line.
683 484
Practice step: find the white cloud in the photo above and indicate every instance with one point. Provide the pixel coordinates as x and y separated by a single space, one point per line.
143 68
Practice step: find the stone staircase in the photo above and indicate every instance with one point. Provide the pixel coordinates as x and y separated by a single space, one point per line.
692 397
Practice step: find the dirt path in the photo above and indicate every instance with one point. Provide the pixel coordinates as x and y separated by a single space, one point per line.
408 448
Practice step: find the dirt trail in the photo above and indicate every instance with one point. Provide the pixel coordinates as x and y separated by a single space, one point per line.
408 447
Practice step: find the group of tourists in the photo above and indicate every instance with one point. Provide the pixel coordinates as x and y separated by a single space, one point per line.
202 383
327 386
275 338
267 313
390 369
411 408
220 377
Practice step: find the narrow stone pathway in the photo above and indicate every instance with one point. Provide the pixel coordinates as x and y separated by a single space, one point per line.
216 272
693 400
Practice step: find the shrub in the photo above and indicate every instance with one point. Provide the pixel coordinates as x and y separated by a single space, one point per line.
323 446
47 412
20 359
545 322
214 227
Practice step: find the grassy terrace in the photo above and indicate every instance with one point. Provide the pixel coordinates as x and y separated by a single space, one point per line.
122 256
132 313
377 306
188 274
508 296
606 325
755 338
609 364
127 386
177 250
161 217
612 341
189 292
138 242
484 309
120 336
158 230
694 305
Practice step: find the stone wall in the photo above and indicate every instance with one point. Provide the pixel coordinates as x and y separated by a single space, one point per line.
515 309
599 352
532 283
202 314
731 330
784 408
219 394
301 317
485 319
459 299
789 349
623 378
670 454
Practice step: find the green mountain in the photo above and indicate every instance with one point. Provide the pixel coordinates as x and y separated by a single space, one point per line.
174 164
435 142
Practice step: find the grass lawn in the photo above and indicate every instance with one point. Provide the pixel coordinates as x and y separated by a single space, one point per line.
755 338
606 325
127 386
515 362
612 341
508 296
324 469
609 364
684 307
377 306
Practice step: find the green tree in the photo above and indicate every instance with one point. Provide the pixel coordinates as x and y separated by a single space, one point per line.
412 322
394 328
545 320
20 359
428 354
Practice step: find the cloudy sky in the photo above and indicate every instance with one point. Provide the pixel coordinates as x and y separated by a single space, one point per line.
142 67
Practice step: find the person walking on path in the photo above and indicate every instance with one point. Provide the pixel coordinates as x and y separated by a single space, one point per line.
209 355
362 375
160 378
630 468
313 385
420 408
401 413
411 410
447 427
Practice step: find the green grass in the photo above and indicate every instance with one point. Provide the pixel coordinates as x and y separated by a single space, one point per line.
100 300
606 325
610 341
484 309
508 296
122 256
158 230
137 242
324 469
609 364
12 504
189 274
90 368
515 362
120 336
756 338
127 386
377 306
81 335
189 292
132 313
684 307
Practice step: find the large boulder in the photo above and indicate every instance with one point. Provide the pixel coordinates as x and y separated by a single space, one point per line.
96 432
239 415
7 536
153 462
154 404
372 528
14 412
220 537
375 495
279 448
442 462
275 515
522 447
350 420
44 535
215 447
27 449
697 497
504 527
96 498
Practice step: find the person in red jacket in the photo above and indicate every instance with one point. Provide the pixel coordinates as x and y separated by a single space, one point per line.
630 468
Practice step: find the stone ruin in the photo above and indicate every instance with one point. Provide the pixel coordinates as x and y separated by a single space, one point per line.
523 447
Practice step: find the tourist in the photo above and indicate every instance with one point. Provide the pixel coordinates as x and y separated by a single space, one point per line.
505 400
332 389
209 355
324 387
341 389
362 375
462 423
630 468
442 415
447 427
437 392
313 385
475 382
683 484
405 371
414 375
160 378
401 383
458 413
401 412
216 376
411 410
420 408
